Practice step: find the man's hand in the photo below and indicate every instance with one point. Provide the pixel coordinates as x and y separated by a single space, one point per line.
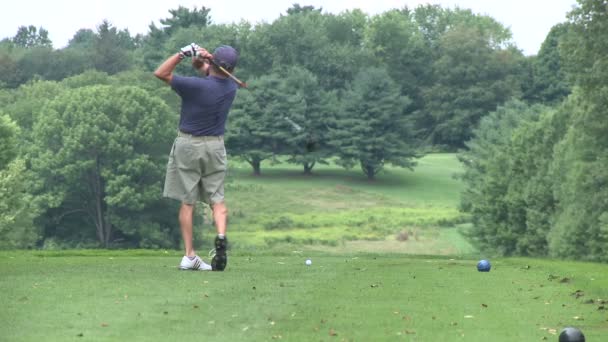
189 51
203 53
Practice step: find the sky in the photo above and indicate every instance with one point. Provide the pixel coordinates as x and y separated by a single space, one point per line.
529 20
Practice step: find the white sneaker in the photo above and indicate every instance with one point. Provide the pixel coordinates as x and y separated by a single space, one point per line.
196 264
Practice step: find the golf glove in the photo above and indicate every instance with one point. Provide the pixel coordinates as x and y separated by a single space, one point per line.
190 50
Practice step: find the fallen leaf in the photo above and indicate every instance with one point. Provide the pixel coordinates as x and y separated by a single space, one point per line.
332 332
104 324
552 331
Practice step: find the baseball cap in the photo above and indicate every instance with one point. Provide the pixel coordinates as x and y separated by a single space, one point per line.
226 56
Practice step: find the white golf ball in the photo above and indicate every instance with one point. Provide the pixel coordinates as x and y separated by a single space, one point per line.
308 262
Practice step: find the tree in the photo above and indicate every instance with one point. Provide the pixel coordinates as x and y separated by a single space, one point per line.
257 129
96 153
297 9
28 102
581 222
308 142
113 49
17 228
84 39
183 17
506 180
549 83
584 48
472 79
373 128
154 50
16 216
580 225
30 36
10 74
9 132
397 44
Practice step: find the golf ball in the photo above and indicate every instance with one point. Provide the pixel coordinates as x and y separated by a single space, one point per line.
308 262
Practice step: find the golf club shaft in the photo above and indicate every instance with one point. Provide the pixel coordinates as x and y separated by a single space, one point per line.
239 82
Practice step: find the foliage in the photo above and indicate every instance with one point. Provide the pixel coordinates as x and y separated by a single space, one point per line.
549 83
257 130
373 127
580 225
472 78
30 36
17 228
96 152
9 131
112 49
502 172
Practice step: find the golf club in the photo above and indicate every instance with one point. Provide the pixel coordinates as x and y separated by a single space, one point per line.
293 124
239 82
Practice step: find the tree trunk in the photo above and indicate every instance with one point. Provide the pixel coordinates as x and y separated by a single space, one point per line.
255 164
369 171
104 231
308 168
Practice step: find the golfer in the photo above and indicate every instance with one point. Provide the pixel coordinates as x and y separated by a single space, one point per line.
197 161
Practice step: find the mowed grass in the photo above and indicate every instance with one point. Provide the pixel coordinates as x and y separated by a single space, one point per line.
343 209
389 263
141 296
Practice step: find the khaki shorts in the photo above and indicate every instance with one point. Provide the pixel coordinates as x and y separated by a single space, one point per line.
196 170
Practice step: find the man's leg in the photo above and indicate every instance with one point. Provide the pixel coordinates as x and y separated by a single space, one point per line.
185 223
190 261
220 214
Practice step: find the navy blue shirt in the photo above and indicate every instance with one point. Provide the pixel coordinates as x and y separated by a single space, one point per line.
205 103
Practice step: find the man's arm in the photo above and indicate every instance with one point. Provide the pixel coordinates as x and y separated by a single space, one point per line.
165 70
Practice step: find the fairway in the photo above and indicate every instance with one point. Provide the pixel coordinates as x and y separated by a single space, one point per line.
141 296
389 263
344 210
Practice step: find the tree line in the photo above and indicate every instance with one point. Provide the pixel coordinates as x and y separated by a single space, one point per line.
86 127
536 175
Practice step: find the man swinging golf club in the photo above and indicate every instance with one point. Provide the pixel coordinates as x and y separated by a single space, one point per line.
197 161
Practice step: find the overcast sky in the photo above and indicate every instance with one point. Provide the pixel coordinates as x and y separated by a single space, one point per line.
529 20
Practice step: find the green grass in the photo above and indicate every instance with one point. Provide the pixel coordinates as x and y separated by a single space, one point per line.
342 208
265 296
389 264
